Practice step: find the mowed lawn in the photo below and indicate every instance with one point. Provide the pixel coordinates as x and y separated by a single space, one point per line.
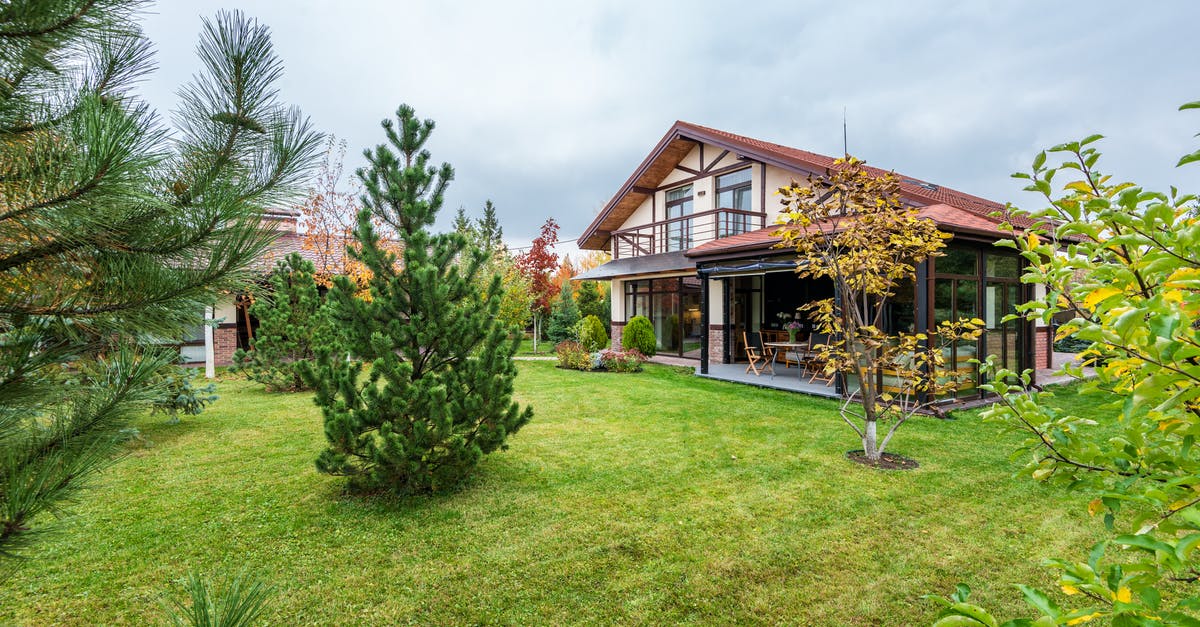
633 499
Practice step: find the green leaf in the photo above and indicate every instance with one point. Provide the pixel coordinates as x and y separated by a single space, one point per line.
1186 159
1190 105
1091 138
1039 601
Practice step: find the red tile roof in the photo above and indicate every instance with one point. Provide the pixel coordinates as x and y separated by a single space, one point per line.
949 218
918 191
804 159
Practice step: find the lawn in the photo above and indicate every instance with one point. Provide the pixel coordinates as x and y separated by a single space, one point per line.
650 498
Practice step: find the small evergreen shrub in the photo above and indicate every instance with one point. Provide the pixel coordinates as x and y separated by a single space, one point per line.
592 334
180 396
573 356
622 361
639 335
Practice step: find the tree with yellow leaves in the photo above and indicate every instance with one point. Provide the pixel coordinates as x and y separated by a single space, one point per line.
851 227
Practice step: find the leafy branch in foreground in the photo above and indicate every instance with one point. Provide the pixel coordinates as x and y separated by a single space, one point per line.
1125 263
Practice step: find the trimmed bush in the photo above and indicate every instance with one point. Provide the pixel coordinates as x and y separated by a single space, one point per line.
592 335
639 335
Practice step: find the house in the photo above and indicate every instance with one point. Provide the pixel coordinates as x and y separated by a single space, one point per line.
693 249
232 326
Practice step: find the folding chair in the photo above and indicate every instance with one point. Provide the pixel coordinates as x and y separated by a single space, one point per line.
760 357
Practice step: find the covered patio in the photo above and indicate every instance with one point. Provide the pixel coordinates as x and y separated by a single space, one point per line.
787 378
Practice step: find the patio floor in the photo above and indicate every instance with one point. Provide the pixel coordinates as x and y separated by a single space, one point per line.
786 378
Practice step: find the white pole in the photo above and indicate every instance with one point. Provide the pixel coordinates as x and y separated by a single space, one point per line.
210 360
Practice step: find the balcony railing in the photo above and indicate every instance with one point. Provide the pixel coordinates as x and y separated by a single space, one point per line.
684 232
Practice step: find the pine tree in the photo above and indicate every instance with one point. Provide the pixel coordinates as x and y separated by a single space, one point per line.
564 317
292 322
112 239
437 393
491 234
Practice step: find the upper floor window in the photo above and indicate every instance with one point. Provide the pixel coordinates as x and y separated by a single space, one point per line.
733 192
679 232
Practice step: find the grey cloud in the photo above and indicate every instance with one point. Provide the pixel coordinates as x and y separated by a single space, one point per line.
547 107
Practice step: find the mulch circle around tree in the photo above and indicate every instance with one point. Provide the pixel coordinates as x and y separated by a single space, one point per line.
888 461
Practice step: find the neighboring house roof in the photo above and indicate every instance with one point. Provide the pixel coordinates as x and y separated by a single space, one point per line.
949 218
683 136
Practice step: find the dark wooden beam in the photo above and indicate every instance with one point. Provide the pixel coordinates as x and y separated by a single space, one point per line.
714 161
687 169
642 190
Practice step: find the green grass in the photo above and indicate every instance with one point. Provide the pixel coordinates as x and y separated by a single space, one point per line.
648 499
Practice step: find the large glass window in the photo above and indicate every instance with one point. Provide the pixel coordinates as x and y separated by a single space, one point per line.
679 230
974 283
733 192
673 307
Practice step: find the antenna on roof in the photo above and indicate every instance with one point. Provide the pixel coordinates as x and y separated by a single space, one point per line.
845 145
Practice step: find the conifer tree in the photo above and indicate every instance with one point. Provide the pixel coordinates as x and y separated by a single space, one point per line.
591 302
564 316
292 321
115 235
438 384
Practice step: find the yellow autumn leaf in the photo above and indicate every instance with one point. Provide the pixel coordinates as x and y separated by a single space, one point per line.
1079 186
1124 595
1095 507
1181 275
1098 295
1084 619
1070 590
1180 504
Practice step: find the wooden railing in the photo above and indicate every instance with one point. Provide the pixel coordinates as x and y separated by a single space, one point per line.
684 232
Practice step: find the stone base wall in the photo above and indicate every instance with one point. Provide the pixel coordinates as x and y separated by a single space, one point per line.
616 329
1043 348
716 344
224 344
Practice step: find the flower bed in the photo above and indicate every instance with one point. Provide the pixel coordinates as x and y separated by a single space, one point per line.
573 356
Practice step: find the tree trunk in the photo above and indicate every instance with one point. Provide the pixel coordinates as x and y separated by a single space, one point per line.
536 331
869 440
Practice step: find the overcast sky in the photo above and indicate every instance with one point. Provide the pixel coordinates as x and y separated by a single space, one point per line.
546 107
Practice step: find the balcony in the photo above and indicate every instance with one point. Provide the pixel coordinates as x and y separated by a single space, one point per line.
684 232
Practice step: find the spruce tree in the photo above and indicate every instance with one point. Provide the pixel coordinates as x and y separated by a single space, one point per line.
115 235
591 302
564 316
436 394
292 321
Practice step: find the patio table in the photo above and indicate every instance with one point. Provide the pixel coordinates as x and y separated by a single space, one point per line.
799 348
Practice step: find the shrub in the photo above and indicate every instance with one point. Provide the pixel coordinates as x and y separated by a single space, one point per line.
180 396
239 604
622 361
639 336
573 355
592 335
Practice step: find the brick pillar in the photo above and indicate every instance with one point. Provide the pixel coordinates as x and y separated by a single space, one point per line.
617 327
1043 348
716 344
224 343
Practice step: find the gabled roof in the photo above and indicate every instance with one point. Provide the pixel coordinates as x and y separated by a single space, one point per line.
683 136
949 218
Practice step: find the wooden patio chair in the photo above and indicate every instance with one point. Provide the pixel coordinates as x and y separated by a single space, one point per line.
813 362
760 357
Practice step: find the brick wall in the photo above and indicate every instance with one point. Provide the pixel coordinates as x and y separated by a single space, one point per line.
224 344
616 328
716 343
1043 347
